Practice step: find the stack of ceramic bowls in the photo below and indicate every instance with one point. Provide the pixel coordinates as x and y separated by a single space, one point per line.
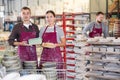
49 69
12 62
30 64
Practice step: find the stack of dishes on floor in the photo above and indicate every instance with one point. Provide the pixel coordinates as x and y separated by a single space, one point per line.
30 64
49 69
29 67
11 62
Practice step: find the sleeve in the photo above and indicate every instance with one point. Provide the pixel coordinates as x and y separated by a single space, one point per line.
60 33
106 31
14 35
86 29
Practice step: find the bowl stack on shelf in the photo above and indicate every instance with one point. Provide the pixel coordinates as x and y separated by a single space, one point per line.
49 69
12 62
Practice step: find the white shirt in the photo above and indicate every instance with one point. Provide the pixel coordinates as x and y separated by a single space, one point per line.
27 25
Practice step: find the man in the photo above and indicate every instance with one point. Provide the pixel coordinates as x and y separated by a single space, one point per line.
96 28
20 35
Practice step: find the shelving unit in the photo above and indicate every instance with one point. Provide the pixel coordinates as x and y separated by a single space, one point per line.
108 62
114 8
73 25
113 14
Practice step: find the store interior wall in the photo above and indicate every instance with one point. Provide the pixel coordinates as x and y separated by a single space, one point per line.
95 6
40 6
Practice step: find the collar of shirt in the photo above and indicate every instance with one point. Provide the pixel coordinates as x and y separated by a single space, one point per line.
27 25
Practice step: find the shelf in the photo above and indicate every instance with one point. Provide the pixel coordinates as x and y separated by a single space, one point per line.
69 38
104 52
71 32
103 77
103 69
112 61
105 43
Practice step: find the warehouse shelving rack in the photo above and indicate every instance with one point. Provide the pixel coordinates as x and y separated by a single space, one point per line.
105 61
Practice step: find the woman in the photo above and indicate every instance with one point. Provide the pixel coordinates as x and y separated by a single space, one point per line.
53 38
20 35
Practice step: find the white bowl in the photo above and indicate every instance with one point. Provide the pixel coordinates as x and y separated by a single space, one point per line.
32 77
92 40
49 64
9 63
11 57
12 76
30 62
110 38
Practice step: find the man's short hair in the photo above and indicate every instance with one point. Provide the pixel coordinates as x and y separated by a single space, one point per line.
26 8
98 13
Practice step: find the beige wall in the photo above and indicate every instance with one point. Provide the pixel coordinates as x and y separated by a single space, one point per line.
97 5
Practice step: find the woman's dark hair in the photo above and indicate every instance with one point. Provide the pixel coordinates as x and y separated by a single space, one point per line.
26 8
98 13
50 11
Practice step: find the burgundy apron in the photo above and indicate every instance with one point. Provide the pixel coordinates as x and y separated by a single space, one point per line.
27 53
95 32
51 54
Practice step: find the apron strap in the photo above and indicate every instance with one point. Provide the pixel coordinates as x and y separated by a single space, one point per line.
46 29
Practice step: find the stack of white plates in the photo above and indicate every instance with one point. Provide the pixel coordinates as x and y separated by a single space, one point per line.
112 66
11 62
111 74
95 72
96 56
112 57
49 69
30 64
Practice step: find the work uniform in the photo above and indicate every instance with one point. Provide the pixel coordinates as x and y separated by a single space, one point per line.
95 30
52 35
20 33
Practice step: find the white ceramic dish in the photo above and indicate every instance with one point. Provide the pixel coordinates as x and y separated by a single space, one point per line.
30 62
110 38
110 74
9 63
12 76
92 40
49 63
104 40
11 57
33 77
